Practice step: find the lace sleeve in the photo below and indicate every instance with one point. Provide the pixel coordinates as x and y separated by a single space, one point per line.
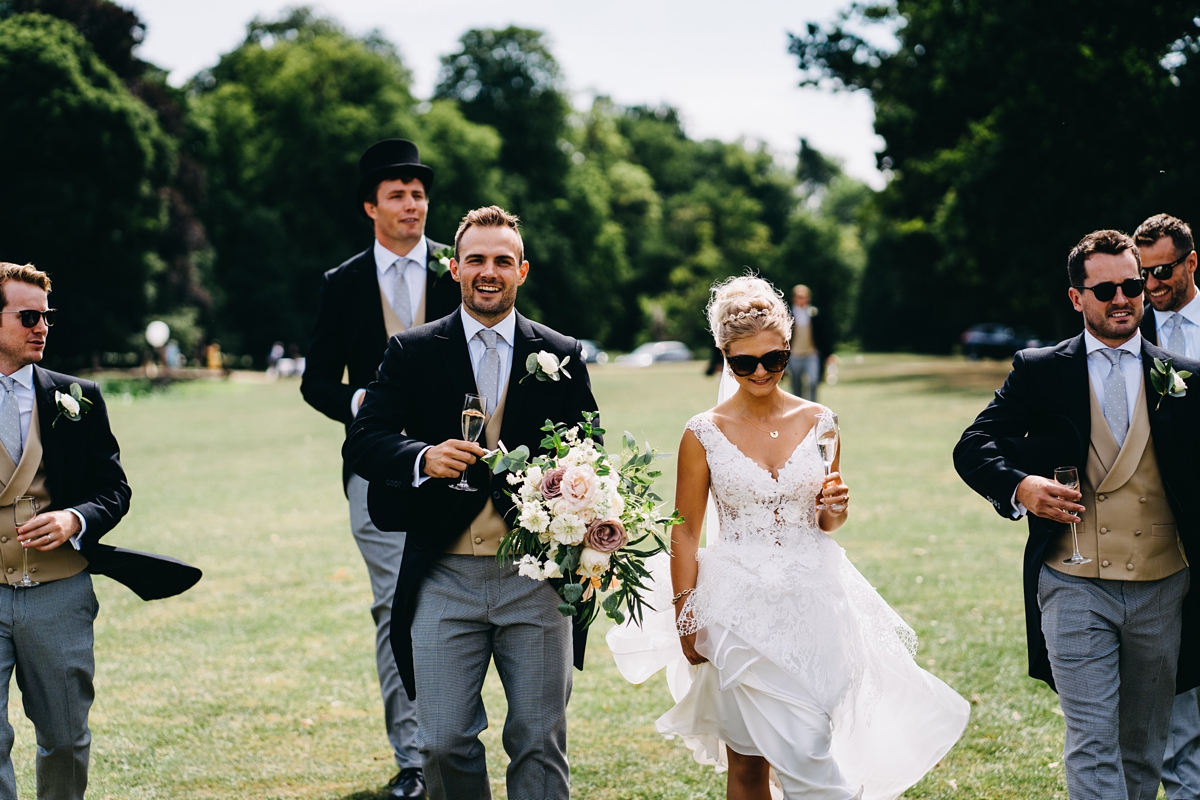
702 426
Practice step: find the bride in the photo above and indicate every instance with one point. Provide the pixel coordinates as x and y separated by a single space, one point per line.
802 679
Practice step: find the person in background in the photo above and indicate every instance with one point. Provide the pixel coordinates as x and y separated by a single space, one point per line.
812 344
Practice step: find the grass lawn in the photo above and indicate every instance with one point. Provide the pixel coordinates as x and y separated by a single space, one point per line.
260 681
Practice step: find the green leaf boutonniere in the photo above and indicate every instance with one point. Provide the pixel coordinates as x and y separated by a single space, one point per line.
545 367
72 405
1167 381
442 258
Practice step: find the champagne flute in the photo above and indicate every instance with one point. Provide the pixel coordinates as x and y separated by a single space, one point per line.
1069 477
827 445
25 508
474 417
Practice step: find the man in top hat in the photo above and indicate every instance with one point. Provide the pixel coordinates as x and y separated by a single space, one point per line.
395 284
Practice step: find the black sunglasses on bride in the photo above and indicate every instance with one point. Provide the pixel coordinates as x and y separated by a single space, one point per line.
745 366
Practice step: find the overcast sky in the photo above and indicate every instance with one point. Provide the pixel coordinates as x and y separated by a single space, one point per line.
724 65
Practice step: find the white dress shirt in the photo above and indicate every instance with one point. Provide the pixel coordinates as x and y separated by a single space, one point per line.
506 331
23 389
414 265
1191 326
1098 368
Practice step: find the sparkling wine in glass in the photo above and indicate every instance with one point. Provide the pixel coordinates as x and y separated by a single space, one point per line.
1069 477
474 417
827 445
25 508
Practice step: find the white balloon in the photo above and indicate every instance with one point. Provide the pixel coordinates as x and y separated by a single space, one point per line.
157 333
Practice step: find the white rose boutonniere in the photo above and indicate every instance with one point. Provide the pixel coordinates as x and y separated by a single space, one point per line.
442 258
1167 381
72 405
545 367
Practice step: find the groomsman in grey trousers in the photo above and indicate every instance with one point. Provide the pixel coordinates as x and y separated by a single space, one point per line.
396 284
1110 622
1169 267
456 607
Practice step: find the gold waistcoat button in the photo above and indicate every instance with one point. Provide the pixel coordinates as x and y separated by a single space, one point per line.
478 540
1101 497
1129 566
1104 563
3 540
1137 533
11 570
1141 499
1104 530
33 569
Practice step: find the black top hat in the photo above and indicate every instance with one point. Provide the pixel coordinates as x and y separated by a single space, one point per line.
389 159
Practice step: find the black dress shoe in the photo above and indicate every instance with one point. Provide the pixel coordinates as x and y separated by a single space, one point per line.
409 784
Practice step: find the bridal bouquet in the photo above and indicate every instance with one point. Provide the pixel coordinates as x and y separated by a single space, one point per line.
585 516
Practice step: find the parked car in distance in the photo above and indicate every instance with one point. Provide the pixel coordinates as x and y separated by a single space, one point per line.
592 354
993 340
655 352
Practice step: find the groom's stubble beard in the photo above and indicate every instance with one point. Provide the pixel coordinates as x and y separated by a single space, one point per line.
493 307
1102 326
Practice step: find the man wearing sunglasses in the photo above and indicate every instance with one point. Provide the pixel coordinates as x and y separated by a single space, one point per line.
73 470
395 284
1169 267
1114 630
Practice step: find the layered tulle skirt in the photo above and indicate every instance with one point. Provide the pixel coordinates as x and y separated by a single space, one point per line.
808 667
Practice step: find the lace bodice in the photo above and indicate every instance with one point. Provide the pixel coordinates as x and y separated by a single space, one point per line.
753 507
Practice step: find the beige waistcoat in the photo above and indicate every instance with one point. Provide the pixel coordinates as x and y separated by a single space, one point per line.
482 537
29 478
802 338
392 323
1128 529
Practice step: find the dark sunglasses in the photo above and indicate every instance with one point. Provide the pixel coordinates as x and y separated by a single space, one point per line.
744 366
1130 287
30 317
1163 271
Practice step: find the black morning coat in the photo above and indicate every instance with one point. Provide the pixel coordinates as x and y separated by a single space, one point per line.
349 336
1040 419
83 471
435 358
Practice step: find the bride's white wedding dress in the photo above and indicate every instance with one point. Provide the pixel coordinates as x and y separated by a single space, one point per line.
808 667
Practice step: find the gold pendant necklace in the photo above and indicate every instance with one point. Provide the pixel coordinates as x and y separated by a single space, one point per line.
773 434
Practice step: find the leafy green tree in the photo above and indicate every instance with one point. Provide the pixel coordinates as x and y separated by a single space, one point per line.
1012 129
288 114
84 163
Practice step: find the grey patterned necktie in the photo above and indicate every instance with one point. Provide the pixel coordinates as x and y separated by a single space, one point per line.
1177 343
1116 403
401 299
487 376
10 419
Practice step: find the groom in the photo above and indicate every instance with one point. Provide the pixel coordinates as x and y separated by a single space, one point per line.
1107 633
456 608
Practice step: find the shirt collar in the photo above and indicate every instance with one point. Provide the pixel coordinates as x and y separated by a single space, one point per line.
505 328
1190 312
384 258
24 376
1133 345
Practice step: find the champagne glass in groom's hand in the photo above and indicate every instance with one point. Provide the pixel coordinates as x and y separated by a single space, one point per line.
1069 477
25 508
474 417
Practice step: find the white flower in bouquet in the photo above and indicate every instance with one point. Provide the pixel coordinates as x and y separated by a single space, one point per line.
533 476
534 518
529 567
529 492
592 563
552 570
579 487
568 529
514 478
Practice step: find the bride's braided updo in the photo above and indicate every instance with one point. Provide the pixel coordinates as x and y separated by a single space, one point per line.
742 307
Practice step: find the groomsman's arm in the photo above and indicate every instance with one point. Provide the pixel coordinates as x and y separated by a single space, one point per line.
375 448
106 498
325 361
983 456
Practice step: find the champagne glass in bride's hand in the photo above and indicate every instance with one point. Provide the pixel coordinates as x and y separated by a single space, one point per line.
474 417
827 445
1069 477
25 508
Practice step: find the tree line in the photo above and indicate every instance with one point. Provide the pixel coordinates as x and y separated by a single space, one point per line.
216 206
1011 129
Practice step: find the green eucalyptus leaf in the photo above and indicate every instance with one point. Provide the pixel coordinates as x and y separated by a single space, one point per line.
572 592
567 610
76 391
